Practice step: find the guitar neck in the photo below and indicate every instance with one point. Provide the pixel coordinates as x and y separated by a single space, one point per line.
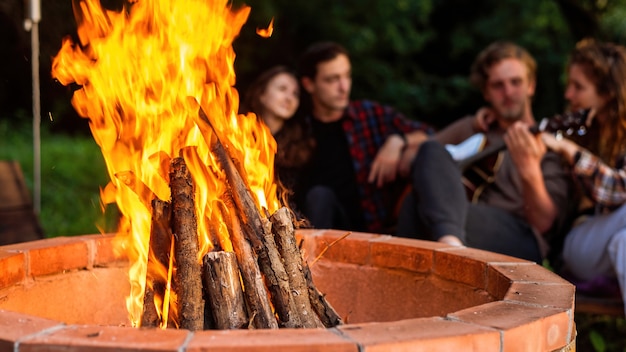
490 150
573 122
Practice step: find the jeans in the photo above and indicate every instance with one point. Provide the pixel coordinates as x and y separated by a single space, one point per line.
323 210
438 206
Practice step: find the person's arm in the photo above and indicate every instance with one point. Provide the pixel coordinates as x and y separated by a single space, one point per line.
527 152
396 154
387 162
413 141
605 185
456 132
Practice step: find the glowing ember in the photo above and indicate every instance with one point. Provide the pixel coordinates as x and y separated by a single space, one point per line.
137 70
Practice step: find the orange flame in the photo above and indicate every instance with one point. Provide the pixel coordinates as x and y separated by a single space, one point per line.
137 69
266 32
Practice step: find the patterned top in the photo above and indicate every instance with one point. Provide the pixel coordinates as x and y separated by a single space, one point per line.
604 185
367 125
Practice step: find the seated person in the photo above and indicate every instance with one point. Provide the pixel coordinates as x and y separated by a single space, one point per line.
524 190
354 178
594 250
274 97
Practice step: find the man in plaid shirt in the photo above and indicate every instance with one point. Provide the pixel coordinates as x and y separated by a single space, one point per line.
363 151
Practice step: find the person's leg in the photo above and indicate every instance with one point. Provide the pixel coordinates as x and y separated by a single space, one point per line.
586 250
323 210
496 230
617 253
438 204
596 250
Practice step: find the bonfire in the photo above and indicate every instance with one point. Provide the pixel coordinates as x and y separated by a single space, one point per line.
193 180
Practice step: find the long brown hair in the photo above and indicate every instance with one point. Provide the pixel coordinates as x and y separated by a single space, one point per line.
294 144
604 64
252 98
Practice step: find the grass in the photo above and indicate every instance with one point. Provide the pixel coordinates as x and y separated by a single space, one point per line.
72 172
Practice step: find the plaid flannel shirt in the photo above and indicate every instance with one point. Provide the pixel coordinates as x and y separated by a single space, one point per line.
604 185
367 125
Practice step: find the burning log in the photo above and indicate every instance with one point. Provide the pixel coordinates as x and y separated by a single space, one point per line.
257 231
267 259
322 308
224 292
158 256
284 235
259 307
187 279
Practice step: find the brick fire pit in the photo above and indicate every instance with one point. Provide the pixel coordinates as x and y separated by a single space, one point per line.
68 294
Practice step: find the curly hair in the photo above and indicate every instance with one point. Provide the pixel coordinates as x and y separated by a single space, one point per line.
604 64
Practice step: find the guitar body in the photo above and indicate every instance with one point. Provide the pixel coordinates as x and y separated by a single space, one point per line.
480 175
479 171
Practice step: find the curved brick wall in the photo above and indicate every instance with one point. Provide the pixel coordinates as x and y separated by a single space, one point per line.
393 294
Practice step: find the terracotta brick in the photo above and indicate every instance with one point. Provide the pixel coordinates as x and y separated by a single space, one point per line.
455 267
53 255
107 338
468 265
12 267
355 248
401 253
281 340
364 285
549 327
498 283
16 326
388 300
544 295
104 252
531 272
501 277
423 335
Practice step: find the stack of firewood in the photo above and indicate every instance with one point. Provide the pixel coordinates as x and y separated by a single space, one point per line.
263 283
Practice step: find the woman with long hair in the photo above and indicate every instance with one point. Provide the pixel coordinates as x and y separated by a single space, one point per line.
274 97
595 247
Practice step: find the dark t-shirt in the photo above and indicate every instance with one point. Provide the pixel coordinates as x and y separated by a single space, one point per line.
331 165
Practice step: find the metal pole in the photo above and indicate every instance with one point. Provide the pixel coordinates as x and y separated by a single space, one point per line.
34 37
32 23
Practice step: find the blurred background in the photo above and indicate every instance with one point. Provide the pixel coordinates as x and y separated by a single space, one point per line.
413 54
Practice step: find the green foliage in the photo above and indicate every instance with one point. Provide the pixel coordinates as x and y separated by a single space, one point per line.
72 170
597 341
414 55
613 21
600 333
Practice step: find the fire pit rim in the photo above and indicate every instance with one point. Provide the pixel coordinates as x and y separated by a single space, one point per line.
515 283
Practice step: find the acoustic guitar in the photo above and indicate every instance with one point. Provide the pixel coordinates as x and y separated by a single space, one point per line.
480 168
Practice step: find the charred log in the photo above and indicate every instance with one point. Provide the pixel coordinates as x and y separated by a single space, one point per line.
223 290
187 279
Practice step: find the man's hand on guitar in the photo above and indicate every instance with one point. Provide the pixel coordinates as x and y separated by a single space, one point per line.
526 150
483 118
